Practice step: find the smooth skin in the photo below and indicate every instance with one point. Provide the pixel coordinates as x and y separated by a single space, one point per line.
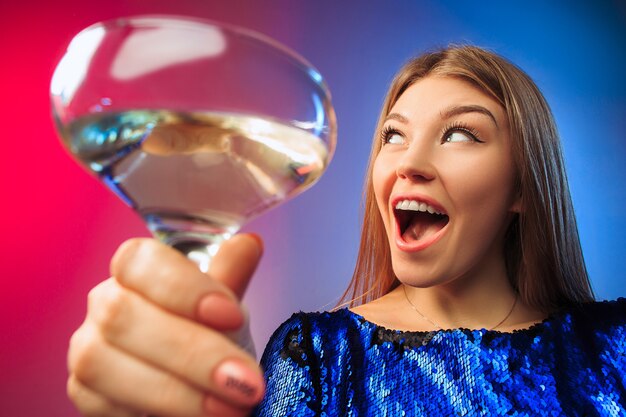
155 336
448 141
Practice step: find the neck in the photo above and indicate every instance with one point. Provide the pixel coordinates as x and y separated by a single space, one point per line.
479 301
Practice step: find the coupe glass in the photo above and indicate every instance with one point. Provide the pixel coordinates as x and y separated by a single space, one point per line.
198 126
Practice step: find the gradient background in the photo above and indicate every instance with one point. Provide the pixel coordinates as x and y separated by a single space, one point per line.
60 226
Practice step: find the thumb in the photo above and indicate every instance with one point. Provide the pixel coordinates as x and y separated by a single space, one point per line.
236 261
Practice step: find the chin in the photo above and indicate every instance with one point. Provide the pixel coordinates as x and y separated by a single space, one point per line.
418 277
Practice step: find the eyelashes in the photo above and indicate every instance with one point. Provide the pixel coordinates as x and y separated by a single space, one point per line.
447 134
459 127
387 133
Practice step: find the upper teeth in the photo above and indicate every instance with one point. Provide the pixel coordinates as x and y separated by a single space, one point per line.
416 206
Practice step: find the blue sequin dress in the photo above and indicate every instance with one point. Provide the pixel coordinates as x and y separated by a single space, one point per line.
339 364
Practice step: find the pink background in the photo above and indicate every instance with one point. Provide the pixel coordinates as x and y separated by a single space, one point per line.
60 226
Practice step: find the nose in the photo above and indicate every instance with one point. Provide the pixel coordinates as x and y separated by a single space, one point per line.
416 164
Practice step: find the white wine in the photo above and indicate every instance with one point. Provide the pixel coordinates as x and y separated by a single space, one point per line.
197 173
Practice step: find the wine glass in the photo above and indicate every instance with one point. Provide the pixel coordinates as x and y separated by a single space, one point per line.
198 126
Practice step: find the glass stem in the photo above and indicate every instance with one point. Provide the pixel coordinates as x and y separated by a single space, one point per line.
199 247
200 253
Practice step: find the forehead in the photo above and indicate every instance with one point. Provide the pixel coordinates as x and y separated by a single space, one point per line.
433 95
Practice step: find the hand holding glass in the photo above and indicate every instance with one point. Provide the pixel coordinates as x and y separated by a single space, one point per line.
199 127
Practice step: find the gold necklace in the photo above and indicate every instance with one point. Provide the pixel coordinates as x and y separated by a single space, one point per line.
439 327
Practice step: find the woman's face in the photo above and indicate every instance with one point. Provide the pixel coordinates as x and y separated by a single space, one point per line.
446 149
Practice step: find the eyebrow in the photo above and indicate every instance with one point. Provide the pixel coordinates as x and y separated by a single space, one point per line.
473 108
449 112
398 117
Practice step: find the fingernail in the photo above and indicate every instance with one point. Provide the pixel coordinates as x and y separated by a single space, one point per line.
258 239
219 312
215 406
238 383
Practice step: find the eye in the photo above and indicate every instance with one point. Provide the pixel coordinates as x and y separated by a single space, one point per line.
459 132
391 136
458 136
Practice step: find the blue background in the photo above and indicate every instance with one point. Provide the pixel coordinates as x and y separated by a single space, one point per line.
61 227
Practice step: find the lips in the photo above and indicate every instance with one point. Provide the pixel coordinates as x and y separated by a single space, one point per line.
420 222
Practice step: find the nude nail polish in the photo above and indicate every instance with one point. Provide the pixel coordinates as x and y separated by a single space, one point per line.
220 312
238 383
258 239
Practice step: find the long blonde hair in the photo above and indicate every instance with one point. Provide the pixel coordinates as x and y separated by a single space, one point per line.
542 249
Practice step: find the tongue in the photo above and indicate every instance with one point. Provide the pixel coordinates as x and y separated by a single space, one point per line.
423 225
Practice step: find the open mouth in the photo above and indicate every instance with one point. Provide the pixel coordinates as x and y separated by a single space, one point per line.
418 221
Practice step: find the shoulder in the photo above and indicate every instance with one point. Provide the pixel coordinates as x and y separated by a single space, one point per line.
603 314
601 324
297 357
313 325
305 335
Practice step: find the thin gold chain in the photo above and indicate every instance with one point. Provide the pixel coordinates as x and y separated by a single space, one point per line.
439 327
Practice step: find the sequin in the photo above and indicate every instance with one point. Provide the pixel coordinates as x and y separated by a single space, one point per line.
339 364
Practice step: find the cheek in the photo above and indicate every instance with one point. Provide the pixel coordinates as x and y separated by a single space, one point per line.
382 183
484 189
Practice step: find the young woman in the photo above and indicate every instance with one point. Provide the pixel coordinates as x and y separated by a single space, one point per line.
470 295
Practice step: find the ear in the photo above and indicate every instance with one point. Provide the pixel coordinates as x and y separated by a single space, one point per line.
516 206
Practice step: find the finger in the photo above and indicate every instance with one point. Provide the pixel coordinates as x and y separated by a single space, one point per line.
133 384
92 404
194 353
236 262
165 277
215 407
